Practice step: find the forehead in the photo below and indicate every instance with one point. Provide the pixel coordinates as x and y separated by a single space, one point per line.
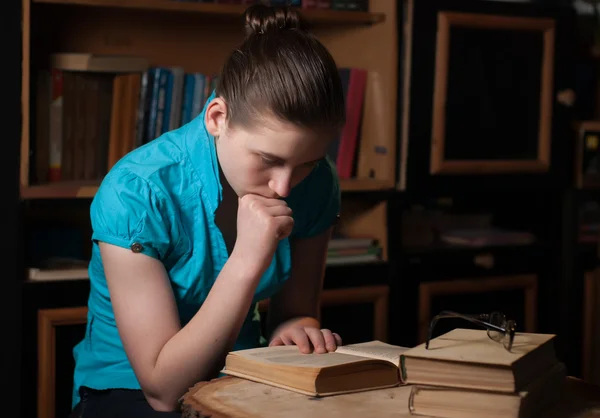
284 140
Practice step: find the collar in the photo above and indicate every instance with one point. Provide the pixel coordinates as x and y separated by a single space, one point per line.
202 153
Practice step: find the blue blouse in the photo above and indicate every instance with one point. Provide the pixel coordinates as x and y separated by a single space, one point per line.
160 200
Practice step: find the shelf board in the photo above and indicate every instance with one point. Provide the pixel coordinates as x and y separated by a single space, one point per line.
87 190
62 190
223 10
365 185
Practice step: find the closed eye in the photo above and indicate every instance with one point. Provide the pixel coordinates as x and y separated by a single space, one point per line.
269 161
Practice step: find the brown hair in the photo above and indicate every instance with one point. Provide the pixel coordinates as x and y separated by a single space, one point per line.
281 70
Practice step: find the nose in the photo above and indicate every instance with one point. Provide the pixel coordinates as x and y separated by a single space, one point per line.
280 182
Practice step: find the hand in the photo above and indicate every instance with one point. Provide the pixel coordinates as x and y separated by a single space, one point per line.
261 223
306 337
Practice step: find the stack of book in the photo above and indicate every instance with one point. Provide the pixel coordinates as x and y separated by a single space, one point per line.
463 373
352 251
466 374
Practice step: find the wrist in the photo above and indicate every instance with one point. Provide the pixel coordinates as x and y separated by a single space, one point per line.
244 268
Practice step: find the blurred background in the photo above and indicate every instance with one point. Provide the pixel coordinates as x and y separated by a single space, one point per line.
469 164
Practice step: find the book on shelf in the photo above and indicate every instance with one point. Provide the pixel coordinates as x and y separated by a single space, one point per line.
343 150
98 63
351 368
94 109
341 251
339 260
342 243
479 237
57 269
447 402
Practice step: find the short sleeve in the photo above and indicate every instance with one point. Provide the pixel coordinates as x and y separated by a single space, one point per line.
315 202
127 212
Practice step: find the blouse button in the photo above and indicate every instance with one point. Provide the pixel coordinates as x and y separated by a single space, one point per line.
136 247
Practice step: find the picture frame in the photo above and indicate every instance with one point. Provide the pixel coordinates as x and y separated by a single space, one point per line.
448 130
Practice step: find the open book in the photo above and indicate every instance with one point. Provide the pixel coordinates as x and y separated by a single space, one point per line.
351 368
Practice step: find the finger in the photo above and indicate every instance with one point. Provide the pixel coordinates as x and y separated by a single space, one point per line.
316 337
274 202
269 201
300 338
287 339
278 210
330 343
338 339
276 341
285 226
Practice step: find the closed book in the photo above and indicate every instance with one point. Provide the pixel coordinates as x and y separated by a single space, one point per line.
532 401
468 358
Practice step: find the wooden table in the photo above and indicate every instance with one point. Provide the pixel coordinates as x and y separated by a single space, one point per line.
231 397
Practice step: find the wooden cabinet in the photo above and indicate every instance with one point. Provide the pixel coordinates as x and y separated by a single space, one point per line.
54 320
59 330
198 37
12 350
465 280
515 296
591 327
479 86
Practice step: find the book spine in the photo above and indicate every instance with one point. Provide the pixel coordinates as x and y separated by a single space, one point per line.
55 131
153 106
142 110
188 98
167 98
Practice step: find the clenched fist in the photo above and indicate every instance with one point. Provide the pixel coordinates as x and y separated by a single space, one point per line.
261 223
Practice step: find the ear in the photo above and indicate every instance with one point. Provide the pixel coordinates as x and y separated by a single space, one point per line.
215 117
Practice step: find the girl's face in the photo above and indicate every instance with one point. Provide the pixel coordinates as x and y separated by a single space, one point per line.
269 159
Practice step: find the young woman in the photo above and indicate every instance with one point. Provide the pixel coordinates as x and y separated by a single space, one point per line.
191 230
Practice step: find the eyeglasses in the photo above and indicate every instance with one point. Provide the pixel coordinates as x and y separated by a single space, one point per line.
499 329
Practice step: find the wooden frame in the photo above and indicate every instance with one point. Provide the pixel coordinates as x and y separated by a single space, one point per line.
438 164
48 320
588 181
378 295
232 11
478 285
591 319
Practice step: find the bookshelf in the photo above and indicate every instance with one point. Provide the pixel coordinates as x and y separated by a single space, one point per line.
198 37
143 28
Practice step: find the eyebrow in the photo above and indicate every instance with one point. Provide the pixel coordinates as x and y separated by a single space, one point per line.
276 158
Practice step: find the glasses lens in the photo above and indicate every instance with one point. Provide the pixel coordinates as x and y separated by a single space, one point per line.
498 319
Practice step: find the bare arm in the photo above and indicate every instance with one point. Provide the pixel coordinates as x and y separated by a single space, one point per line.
166 358
297 305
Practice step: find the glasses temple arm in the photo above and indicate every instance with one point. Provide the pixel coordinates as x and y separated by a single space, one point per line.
471 319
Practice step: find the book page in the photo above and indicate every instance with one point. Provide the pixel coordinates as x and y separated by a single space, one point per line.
375 349
291 356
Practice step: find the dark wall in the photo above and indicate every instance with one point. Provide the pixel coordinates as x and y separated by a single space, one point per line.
10 281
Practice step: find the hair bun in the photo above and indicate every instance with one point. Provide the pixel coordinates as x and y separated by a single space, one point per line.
262 19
